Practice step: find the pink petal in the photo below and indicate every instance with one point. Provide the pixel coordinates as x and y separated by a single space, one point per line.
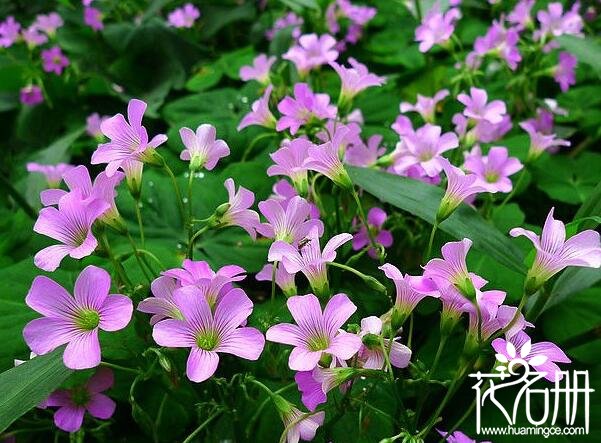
92 287
337 312
246 343
285 333
43 335
49 298
69 418
329 250
344 345
399 355
201 364
102 380
302 359
173 334
83 351
50 258
101 406
306 311
115 313
232 310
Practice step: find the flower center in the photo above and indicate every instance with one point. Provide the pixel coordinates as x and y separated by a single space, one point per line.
207 340
492 177
80 396
318 343
56 60
87 319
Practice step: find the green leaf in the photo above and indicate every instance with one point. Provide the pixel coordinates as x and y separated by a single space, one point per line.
591 207
570 282
233 246
299 5
422 200
205 78
585 49
231 62
25 386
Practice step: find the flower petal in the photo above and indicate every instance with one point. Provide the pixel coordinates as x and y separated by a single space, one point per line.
246 343
115 313
201 364
83 351
101 406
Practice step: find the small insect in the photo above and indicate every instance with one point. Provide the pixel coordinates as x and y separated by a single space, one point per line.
303 243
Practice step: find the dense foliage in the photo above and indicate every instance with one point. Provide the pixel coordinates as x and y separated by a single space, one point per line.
237 220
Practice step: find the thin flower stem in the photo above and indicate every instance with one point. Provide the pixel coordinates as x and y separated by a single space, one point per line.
458 423
273 271
139 218
193 239
513 191
363 219
294 423
121 275
178 194
410 334
431 241
539 305
137 255
253 143
368 279
120 368
404 415
153 257
196 431
259 410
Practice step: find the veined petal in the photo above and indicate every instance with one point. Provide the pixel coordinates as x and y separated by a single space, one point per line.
201 364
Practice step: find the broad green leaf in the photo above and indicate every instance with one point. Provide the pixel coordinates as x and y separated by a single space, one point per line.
591 207
25 386
230 246
585 49
205 78
421 200
299 5
231 62
572 281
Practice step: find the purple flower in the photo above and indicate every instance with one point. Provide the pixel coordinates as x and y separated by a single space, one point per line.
71 225
410 290
290 20
284 192
290 222
358 14
283 278
478 108
371 355
315 332
299 428
460 186
128 139
425 106
451 269
540 142
33 36
162 304
543 122
48 23
52 173
53 60
436 28
184 17
425 147
554 252
73 403
360 154
202 150
325 159
494 169
93 18
290 161
208 333
376 218
305 108
75 321
501 42
236 212
93 122
355 79
9 32
312 51
459 437
520 15
553 22
520 351
402 126
564 72
260 113
310 259
259 70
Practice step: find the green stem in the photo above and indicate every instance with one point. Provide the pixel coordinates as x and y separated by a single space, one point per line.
363 219
121 275
514 189
372 282
458 423
193 239
273 271
196 431
18 198
153 257
120 368
259 410
178 194
539 305
254 141
139 218
431 241
137 255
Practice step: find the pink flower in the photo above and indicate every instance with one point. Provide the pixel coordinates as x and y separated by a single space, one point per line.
315 332
9 32
75 321
53 60
436 28
358 14
290 222
325 160
410 290
260 114
355 79
310 259
73 403
93 18
52 173
128 139
208 333
283 278
290 161
376 218
93 122
48 23
500 42
184 17
312 51
305 108
520 15
31 95
494 169
540 142
425 148
402 126
299 428
553 22
554 252
237 212
70 224
478 108
360 154
162 304
459 437
451 269
459 187
520 351
33 36
283 191
290 20
259 70
564 72
202 149
371 355
425 106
